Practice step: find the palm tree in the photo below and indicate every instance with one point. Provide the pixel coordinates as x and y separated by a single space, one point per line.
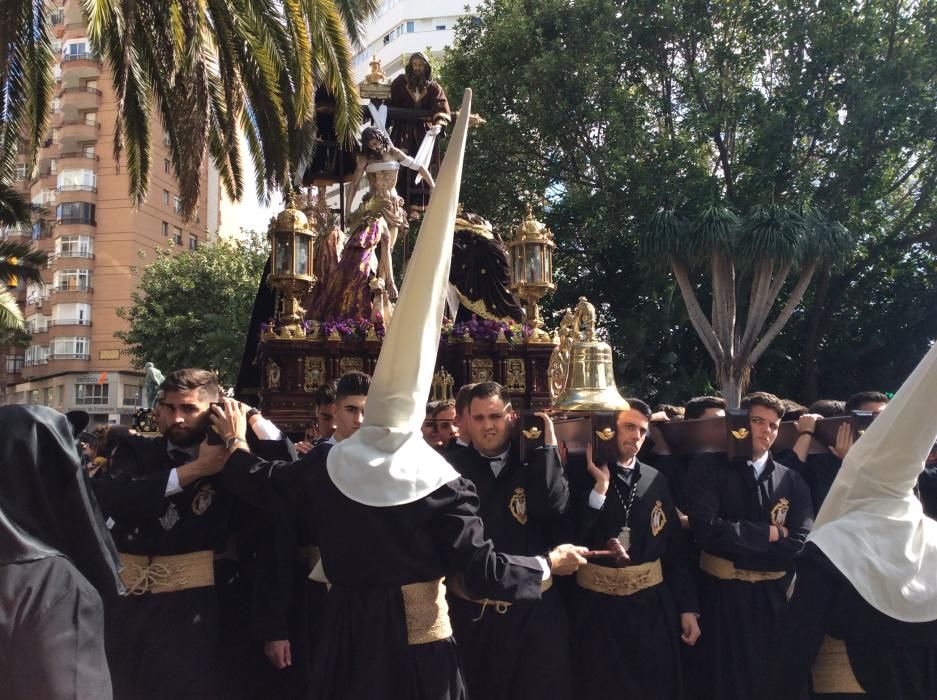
208 68
19 264
766 247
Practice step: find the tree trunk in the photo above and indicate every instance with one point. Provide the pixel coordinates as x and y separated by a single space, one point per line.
733 382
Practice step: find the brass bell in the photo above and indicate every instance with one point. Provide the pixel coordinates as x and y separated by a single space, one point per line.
581 377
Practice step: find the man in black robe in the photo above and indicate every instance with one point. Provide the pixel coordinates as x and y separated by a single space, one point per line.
172 511
416 90
56 563
628 621
750 519
862 621
520 649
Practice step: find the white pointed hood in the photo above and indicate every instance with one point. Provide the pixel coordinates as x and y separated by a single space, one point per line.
872 526
387 462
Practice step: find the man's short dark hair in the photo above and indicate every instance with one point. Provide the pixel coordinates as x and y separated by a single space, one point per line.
430 407
443 405
639 406
489 390
696 407
325 393
191 379
671 411
353 383
828 408
463 398
792 409
856 400
763 398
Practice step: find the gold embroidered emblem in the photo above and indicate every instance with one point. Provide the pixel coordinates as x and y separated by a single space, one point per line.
532 434
740 434
779 512
518 506
203 498
658 519
605 434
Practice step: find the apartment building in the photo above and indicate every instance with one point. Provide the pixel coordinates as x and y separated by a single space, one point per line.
400 27
97 242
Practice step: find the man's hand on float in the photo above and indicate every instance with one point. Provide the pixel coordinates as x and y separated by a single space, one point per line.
601 474
279 653
549 434
566 559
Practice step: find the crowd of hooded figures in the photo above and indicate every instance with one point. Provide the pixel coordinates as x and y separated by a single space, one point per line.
235 566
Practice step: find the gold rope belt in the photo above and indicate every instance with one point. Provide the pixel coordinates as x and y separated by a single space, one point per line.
308 555
167 573
625 581
501 606
725 569
832 672
427 611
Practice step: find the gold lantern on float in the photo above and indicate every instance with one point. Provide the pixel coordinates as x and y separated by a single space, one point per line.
532 270
581 376
291 246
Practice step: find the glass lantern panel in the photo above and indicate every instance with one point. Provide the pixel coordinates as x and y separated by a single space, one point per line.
302 255
534 262
518 252
548 265
284 256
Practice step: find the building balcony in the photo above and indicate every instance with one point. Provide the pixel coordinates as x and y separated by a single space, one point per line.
80 65
70 356
73 132
76 159
72 289
77 188
15 234
80 97
73 254
61 322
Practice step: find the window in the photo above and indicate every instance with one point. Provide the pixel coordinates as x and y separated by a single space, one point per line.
37 323
165 165
53 166
14 364
72 280
36 355
74 247
74 179
88 150
177 235
47 396
90 84
165 196
71 348
165 138
33 397
44 198
165 228
133 395
177 204
71 314
411 26
35 293
20 171
440 27
193 242
91 394
90 118
75 213
75 50
56 104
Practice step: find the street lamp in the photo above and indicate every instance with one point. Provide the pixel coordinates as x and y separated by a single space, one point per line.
291 243
532 270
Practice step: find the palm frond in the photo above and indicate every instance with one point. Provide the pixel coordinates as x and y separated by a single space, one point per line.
714 231
14 210
664 238
11 316
772 233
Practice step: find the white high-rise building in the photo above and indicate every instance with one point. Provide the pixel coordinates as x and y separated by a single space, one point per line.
401 27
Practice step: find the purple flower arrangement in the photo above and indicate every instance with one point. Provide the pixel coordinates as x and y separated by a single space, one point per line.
352 328
484 331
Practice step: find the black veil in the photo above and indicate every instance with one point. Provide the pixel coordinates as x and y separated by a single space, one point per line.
46 504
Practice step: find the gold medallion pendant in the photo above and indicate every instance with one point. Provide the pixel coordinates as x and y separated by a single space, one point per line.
518 506
658 519
779 512
203 499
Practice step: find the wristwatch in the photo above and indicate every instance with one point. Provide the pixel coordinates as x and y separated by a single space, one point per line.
253 412
232 441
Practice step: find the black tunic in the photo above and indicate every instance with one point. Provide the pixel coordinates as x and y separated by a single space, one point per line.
56 563
610 658
819 472
368 553
168 644
731 514
890 659
523 652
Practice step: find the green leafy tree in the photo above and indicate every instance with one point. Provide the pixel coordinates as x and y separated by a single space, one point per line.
20 264
192 308
615 112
